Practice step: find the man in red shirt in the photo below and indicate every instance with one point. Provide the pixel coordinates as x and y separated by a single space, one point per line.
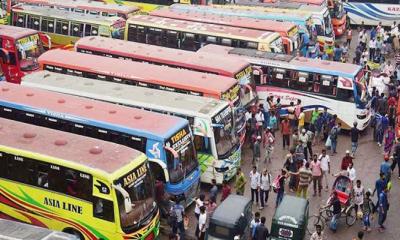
226 190
346 161
286 131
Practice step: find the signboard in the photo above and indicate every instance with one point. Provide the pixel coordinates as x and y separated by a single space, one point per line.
133 177
179 140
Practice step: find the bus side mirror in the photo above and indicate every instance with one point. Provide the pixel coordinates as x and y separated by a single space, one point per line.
127 199
46 39
5 56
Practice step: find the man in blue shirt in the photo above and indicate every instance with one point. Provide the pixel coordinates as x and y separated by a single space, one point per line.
385 168
383 207
337 53
380 185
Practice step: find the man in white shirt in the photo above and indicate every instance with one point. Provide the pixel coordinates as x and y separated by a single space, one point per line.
254 183
202 223
304 139
325 167
351 172
265 186
372 47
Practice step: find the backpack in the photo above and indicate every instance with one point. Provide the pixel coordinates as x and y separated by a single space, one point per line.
276 183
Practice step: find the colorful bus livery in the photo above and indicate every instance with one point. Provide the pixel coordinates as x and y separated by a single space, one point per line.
176 58
216 133
74 184
145 131
191 36
372 12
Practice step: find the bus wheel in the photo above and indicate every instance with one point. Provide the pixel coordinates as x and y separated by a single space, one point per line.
74 232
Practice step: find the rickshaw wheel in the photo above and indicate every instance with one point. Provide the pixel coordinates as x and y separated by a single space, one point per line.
327 215
351 216
312 221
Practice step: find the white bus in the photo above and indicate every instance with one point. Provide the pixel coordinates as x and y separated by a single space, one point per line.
372 12
212 120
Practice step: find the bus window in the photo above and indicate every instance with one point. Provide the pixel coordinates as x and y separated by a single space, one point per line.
33 22
157 171
3 164
103 209
43 175
47 25
279 78
78 184
189 42
77 30
20 21
202 144
154 36
346 95
327 85
253 45
15 168
226 42
91 30
211 39
62 27
172 39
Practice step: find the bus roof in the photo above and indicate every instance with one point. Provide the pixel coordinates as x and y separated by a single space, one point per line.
251 23
275 7
298 63
15 32
129 120
67 15
128 95
206 62
90 152
143 72
82 4
230 11
181 25
314 2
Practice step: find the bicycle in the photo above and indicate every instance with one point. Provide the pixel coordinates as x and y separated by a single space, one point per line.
325 215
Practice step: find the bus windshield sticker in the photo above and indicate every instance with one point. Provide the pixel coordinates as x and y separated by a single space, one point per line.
179 140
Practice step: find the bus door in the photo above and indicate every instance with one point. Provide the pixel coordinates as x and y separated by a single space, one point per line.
8 59
258 75
103 203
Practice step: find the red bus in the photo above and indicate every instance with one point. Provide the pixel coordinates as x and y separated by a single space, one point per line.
19 50
287 30
239 69
141 74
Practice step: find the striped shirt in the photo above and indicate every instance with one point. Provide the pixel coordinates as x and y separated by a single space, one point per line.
305 176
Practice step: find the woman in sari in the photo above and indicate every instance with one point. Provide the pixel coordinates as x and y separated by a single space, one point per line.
389 140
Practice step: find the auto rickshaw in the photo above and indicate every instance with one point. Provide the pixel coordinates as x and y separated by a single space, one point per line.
290 219
231 219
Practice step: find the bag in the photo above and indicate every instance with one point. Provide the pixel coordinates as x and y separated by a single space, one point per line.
275 184
328 143
333 224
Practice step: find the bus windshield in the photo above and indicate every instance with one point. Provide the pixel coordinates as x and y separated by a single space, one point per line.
181 155
277 45
225 137
29 49
139 186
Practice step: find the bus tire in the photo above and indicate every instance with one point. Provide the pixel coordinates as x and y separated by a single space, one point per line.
74 232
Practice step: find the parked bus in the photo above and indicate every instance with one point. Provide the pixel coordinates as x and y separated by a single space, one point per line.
79 185
141 74
19 50
288 31
65 27
321 19
338 87
86 6
166 140
191 36
372 12
176 58
216 136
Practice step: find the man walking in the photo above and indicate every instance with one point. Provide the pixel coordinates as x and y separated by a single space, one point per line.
305 178
178 213
240 182
383 207
286 131
254 183
325 167
265 187
257 151
316 175
334 135
396 156
261 230
354 139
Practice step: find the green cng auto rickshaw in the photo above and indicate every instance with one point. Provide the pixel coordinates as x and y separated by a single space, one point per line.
290 219
231 219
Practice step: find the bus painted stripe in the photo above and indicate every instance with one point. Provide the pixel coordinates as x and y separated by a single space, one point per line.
371 6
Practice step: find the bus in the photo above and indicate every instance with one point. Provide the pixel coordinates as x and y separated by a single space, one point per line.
66 27
288 31
216 137
87 7
83 186
19 51
176 58
141 74
321 19
372 12
191 36
338 87
166 140
19 231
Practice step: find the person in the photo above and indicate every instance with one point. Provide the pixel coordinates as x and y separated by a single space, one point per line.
355 133
318 234
254 183
214 190
358 194
319 123
396 157
334 202
385 168
262 232
325 167
349 36
314 115
257 151
368 208
265 187
269 148
273 123
286 131
346 160
254 223
383 208
291 115
303 137
240 182
281 190
260 120
199 203
310 138
334 136
337 53
291 165
173 236
305 178
351 171
389 140
380 184
372 47
211 205
301 119
315 166
226 190
202 223
178 213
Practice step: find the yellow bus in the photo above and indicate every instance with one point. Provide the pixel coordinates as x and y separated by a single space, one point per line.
90 188
65 27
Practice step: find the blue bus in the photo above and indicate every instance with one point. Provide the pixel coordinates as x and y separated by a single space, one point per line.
166 140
